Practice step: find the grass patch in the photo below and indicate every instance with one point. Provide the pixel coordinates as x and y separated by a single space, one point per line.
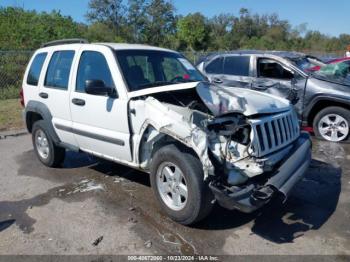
10 114
10 92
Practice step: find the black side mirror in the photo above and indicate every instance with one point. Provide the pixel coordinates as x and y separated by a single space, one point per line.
98 87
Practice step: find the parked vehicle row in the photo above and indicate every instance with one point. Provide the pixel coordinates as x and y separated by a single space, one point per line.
151 109
321 98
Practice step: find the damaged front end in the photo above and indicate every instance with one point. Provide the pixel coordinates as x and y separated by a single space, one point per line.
259 190
255 146
254 158
249 148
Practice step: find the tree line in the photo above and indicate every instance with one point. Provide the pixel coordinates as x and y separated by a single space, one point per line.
156 22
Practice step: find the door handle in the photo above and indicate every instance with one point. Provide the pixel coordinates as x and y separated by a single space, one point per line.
78 102
44 95
217 80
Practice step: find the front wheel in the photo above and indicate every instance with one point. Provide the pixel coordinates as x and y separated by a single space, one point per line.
332 124
177 180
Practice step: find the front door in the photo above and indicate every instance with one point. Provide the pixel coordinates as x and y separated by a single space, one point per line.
100 122
275 78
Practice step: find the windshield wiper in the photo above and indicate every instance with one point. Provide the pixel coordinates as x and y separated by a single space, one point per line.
162 83
154 84
186 81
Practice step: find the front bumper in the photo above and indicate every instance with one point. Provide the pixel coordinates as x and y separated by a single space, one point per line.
254 195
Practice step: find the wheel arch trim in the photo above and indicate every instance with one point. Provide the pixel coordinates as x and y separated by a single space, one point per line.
321 99
161 133
42 110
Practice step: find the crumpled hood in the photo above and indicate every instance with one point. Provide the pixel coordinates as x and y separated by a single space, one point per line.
344 81
224 100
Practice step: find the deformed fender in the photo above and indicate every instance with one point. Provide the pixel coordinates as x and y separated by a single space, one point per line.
160 121
312 102
44 112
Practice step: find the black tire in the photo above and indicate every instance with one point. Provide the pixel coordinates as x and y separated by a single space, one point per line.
199 201
55 156
345 113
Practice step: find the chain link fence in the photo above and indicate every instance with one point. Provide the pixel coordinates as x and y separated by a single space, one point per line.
13 65
194 57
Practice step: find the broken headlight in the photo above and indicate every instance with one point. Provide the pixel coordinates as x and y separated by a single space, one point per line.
235 128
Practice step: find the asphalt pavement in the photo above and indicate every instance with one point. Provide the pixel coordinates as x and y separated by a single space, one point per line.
92 206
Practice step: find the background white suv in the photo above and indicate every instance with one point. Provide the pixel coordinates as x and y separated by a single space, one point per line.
150 109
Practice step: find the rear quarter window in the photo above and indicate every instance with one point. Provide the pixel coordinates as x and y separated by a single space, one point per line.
237 65
35 69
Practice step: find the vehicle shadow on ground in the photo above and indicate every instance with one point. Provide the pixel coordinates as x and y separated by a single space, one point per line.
116 170
78 160
6 224
312 202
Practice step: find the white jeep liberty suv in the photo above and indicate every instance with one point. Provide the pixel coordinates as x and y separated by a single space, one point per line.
150 109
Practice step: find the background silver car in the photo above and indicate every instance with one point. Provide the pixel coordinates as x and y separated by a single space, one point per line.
322 99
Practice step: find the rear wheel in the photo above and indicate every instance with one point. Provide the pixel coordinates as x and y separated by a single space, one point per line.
332 124
177 180
48 153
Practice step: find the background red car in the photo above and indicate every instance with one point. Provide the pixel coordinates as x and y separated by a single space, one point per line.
334 61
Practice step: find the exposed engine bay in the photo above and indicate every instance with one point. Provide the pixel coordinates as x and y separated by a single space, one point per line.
228 145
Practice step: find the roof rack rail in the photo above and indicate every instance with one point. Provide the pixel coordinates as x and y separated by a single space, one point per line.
66 41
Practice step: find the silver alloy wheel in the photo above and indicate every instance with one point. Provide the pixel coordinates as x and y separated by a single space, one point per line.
333 127
42 144
172 186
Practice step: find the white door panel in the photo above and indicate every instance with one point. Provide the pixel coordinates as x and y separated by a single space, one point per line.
57 99
63 130
58 103
100 125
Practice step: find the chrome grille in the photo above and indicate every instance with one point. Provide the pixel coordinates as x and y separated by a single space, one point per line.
272 133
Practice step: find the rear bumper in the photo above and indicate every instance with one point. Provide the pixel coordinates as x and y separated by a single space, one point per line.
254 196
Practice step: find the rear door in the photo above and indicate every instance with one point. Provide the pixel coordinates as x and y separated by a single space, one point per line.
214 69
54 89
100 123
237 71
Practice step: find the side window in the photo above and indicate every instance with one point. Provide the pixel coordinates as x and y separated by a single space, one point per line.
172 69
216 66
237 65
35 69
270 68
93 66
57 75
